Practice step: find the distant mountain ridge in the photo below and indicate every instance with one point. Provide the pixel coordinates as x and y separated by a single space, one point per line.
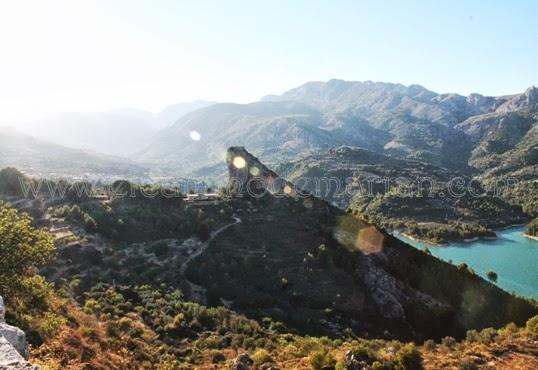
120 132
41 158
409 122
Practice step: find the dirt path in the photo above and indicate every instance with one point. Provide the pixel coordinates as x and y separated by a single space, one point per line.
198 292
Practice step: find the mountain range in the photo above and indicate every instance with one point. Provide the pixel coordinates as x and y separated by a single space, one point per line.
475 133
121 132
42 158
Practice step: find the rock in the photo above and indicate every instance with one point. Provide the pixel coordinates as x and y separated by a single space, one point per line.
248 176
353 362
13 347
242 362
16 337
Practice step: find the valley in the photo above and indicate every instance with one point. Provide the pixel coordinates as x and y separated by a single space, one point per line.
375 236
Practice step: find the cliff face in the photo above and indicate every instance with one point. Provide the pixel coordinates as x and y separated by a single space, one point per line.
248 176
13 347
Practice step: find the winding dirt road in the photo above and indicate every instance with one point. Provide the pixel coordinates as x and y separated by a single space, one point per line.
198 292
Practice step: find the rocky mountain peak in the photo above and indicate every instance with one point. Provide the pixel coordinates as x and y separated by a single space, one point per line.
532 95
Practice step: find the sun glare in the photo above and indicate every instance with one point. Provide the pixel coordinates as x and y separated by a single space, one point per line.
239 162
195 135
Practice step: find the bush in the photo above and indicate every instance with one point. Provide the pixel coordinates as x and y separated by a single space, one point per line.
448 342
217 357
532 326
409 358
467 364
322 359
52 324
429 345
472 336
261 357
487 335
492 276
364 353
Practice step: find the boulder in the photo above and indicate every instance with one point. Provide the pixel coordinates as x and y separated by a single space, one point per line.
13 347
16 337
354 363
12 334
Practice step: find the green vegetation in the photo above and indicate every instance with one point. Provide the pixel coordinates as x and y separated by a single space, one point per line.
523 193
141 323
141 213
532 228
414 197
23 249
322 359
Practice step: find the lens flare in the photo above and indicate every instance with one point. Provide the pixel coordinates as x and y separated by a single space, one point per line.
239 162
195 135
254 171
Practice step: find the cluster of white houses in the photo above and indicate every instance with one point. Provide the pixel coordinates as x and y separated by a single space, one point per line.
203 199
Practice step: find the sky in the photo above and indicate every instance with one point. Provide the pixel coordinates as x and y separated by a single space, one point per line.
78 55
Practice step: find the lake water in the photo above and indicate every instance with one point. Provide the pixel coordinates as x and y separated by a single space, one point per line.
512 256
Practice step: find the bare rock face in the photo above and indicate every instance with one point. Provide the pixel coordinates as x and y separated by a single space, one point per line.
247 175
13 346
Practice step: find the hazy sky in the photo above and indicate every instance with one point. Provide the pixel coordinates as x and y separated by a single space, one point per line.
97 55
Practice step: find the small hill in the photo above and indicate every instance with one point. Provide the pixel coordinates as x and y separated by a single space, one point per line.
318 269
415 197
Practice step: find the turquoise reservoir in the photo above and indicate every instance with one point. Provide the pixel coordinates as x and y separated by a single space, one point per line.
512 256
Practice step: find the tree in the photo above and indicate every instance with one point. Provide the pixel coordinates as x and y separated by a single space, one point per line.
10 181
492 276
22 249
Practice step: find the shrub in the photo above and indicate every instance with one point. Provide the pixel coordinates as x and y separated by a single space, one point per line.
448 342
509 328
532 326
409 358
322 359
487 335
261 357
364 353
52 324
467 364
492 276
472 336
429 345
217 357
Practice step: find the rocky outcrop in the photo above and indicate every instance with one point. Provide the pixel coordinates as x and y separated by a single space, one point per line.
248 176
13 346
390 294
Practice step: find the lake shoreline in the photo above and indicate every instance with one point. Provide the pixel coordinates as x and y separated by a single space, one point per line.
512 255
468 240
530 236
